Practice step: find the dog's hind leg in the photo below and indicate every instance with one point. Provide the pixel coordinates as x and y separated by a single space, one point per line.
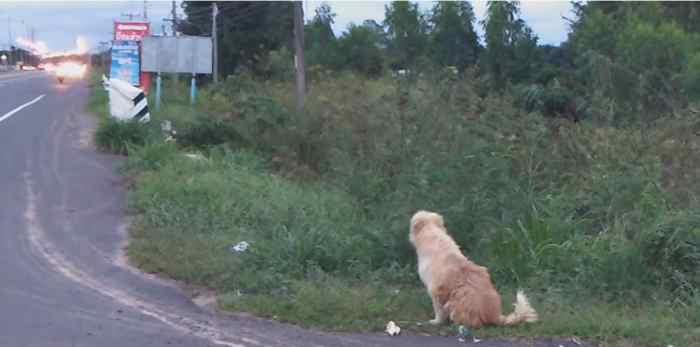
440 314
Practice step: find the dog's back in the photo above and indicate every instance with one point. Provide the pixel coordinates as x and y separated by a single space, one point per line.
468 295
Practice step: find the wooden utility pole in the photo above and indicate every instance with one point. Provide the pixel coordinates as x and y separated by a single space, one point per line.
173 13
214 12
176 76
299 53
9 32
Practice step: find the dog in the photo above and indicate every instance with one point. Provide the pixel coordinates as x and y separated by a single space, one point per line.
461 290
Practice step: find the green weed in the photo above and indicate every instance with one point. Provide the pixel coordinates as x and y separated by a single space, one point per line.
598 223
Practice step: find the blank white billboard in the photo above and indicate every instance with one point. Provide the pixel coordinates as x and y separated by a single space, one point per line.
186 54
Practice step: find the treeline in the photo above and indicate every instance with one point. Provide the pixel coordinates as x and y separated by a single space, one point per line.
621 62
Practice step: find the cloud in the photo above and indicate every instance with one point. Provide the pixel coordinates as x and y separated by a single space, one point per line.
60 23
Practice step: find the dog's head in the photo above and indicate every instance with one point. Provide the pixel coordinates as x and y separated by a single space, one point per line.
421 219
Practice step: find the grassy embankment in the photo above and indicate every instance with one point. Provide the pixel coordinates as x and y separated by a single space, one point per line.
598 224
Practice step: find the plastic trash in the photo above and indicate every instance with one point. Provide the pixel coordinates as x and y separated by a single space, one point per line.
392 329
463 333
197 156
240 247
166 126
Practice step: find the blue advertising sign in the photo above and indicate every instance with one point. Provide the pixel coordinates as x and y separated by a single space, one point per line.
126 64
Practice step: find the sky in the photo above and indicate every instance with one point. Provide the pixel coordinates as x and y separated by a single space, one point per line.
59 23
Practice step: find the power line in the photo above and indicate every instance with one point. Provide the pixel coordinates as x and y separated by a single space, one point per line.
206 11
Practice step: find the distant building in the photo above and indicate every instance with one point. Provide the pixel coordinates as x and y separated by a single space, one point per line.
16 55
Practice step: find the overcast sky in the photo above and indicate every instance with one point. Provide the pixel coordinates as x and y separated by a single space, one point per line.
59 23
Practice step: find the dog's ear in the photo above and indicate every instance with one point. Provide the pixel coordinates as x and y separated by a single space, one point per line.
440 221
418 225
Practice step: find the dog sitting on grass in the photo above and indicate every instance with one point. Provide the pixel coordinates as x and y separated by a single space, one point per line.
461 290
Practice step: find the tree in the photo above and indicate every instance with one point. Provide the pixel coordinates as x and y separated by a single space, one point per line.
510 43
361 47
320 29
454 41
407 33
686 14
320 41
247 30
640 57
526 54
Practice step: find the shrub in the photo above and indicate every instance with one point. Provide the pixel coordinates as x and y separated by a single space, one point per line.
538 200
115 136
291 228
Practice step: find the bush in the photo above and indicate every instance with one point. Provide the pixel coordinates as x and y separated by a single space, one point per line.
598 212
115 136
150 156
291 228
531 197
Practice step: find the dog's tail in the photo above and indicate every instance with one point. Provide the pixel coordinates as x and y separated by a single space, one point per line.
523 313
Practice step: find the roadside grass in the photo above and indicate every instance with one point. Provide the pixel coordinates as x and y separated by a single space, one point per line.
98 100
597 224
118 136
188 217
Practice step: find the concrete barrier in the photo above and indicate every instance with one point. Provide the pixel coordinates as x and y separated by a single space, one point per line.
126 102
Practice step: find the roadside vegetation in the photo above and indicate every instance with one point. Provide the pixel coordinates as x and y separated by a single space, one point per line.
574 180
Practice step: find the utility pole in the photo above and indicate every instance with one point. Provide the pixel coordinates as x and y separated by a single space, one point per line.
173 12
176 76
9 32
102 52
214 12
299 53
145 10
11 59
130 16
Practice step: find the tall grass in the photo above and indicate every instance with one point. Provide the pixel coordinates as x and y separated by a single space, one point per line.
572 211
533 198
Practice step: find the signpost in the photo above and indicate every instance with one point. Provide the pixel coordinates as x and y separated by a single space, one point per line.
131 31
134 32
126 62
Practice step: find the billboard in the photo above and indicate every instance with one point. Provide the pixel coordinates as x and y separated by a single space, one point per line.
135 32
186 54
131 31
126 64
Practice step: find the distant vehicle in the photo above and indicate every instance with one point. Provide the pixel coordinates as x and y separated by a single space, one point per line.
70 71
28 68
41 67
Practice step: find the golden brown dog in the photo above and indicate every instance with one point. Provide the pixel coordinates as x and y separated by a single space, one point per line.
460 290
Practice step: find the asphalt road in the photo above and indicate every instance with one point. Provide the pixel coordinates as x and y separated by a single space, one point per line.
63 279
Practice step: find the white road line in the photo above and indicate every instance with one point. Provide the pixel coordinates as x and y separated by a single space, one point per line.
9 114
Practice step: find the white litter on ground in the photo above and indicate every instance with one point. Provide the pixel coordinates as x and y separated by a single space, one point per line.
240 247
392 329
195 156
